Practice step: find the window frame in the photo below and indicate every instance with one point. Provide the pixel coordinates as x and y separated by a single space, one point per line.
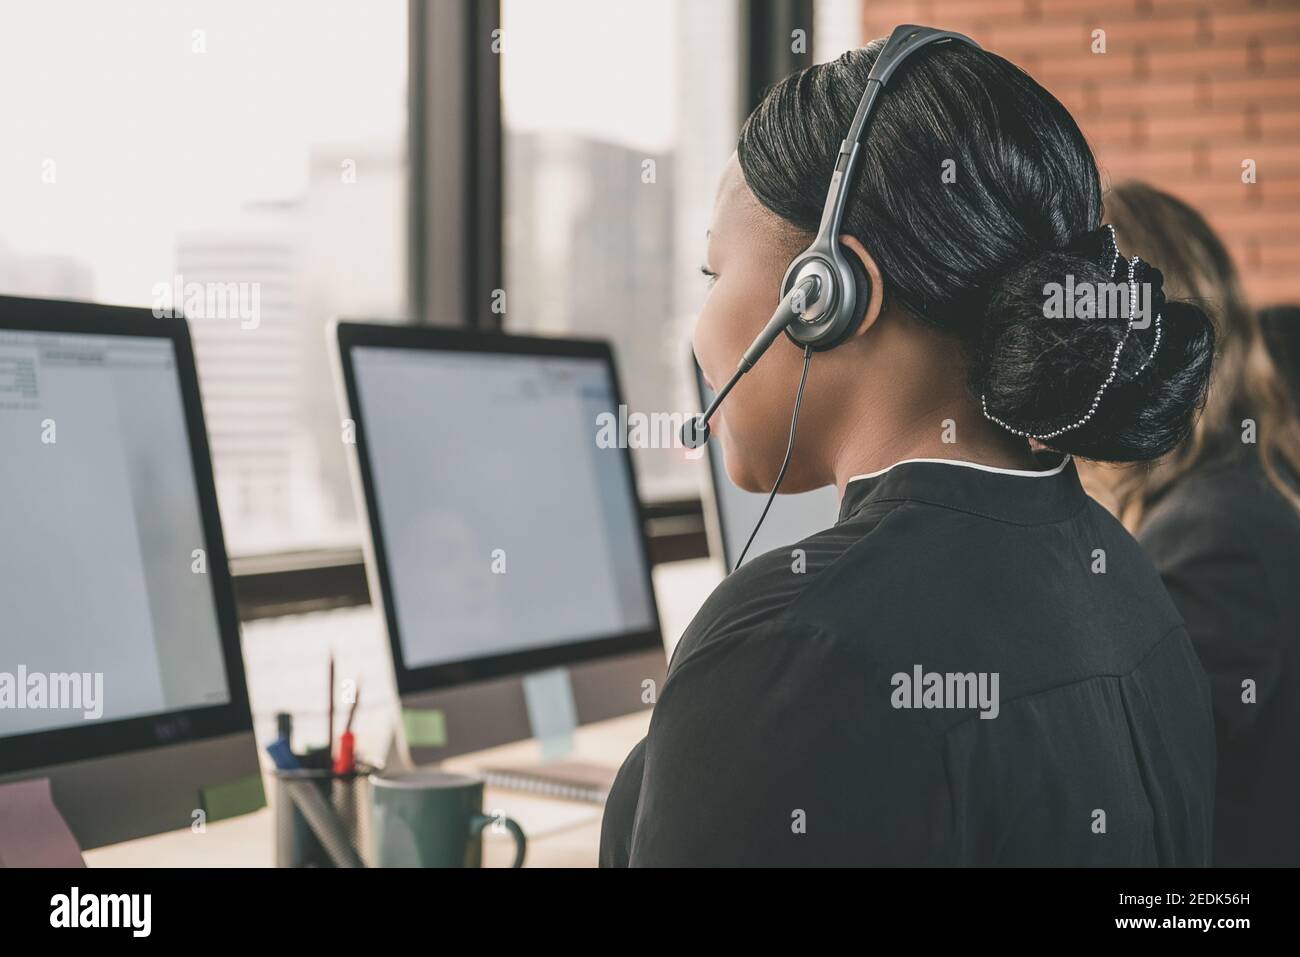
455 249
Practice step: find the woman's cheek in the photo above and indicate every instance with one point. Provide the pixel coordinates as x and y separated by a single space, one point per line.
708 350
741 431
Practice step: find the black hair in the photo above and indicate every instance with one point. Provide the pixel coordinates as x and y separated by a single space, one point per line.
973 189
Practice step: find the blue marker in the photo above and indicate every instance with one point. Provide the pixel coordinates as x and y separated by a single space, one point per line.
282 755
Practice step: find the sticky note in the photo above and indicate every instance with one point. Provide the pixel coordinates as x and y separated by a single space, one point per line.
233 798
551 711
424 727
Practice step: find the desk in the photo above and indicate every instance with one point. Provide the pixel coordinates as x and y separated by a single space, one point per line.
576 845
567 833
560 833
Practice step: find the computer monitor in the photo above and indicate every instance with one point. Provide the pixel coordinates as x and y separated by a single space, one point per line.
731 513
120 671
505 535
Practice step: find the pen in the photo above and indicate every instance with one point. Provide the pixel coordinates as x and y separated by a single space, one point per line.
329 731
345 762
282 755
284 726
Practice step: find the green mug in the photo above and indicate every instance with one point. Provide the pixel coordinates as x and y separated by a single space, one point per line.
431 819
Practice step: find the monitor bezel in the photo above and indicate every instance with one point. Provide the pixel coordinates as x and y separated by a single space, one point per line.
92 739
716 521
351 335
712 494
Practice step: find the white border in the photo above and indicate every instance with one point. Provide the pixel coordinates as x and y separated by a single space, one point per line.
1020 473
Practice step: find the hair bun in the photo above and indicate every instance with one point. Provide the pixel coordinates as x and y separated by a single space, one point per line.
1103 384
1100 246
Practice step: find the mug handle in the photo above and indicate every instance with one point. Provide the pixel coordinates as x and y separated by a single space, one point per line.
479 821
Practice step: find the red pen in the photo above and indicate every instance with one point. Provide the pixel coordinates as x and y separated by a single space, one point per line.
345 763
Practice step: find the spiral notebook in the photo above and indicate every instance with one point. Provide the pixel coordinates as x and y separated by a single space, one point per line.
569 780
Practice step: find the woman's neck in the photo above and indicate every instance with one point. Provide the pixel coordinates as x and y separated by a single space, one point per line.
909 400
948 430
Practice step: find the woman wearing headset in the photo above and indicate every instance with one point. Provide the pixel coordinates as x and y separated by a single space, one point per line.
976 665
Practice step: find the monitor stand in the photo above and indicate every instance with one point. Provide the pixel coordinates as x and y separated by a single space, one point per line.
32 831
494 712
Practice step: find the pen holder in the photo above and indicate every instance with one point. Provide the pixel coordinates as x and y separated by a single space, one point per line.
321 817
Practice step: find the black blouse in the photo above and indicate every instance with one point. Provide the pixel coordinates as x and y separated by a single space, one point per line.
1228 546
972 667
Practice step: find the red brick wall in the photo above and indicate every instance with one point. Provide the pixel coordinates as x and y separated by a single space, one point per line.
1186 90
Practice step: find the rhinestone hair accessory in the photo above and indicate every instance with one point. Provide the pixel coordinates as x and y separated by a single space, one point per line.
1110 250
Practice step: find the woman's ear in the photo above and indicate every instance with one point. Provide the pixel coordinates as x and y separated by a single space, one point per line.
877 302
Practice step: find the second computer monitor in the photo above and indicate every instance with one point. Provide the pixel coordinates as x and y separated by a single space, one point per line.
505 529
732 512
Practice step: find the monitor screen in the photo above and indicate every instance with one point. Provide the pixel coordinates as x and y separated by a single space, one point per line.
107 606
507 526
790 519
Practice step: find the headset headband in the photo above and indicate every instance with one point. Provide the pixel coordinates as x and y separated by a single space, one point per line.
902 43
830 281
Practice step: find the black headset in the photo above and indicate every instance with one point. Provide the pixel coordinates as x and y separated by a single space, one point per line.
830 319
826 290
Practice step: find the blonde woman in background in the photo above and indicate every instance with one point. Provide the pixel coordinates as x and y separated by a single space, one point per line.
1220 517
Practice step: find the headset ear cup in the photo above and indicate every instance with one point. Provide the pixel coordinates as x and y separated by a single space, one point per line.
830 330
861 291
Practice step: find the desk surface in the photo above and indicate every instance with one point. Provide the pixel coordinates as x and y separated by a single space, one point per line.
285 664
560 833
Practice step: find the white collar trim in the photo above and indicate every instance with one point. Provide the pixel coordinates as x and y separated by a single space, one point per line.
1020 473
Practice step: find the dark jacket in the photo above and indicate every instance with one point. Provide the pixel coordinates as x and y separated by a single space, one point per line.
1228 546
791 729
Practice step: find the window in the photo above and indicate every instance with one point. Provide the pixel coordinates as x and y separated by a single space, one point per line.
837 27
619 116
238 159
